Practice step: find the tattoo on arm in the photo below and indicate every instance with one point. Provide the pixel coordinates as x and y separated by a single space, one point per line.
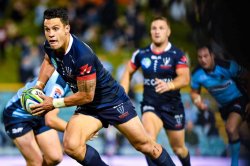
86 85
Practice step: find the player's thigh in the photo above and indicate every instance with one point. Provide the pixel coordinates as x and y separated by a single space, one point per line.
176 137
233 121
152 124
52 114
49 144
80 128
28 146
134 131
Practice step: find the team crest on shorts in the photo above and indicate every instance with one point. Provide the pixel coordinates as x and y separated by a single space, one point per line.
120 108
178 119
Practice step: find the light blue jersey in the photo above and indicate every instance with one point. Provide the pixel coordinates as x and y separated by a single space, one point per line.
56 87
220 83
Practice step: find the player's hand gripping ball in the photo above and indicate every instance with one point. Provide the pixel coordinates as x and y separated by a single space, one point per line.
30 97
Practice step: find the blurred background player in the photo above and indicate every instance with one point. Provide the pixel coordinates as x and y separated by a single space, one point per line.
165 71
32 135
223 80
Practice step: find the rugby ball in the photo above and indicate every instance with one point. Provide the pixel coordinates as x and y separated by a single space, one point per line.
30 97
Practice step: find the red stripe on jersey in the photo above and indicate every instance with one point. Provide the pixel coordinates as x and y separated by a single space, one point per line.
181 66
133 65
87 77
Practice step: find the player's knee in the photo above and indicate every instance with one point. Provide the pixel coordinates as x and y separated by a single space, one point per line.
54 160
231 130
72 148
57 158
143 146
179 151
69 147
35 161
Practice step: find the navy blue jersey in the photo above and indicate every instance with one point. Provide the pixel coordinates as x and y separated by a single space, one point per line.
81 63
159 65
220 83
13 113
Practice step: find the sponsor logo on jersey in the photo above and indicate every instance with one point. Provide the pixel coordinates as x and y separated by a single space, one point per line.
151 82
183 60
85 69
146 62
221 87
57 92
154 57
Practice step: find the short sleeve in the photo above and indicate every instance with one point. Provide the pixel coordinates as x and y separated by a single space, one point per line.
182 61
194 83
135 62
86 65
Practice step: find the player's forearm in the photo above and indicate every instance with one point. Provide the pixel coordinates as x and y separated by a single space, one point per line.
183 78
181 81
126 77
125 81
196 97
197 100
79 98
46 71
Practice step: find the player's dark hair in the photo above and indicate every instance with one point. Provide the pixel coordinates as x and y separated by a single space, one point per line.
57 13
161 18
206 45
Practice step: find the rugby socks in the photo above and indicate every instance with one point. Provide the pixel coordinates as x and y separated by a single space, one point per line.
164 159
186 160
235 150
92 158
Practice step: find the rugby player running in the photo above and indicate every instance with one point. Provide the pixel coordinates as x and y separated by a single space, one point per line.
100 100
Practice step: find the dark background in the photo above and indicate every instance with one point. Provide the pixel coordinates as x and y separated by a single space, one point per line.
228 24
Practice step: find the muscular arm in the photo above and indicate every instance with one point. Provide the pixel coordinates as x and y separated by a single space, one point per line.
85 94
126 77
182 79
45 72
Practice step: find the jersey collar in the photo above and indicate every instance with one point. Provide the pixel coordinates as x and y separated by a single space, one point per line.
165 50
70 44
